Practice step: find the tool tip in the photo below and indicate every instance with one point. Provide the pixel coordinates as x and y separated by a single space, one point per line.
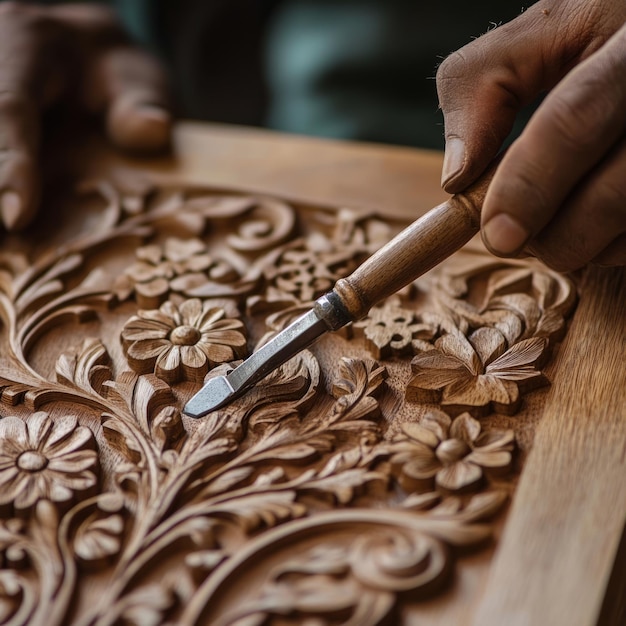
215 393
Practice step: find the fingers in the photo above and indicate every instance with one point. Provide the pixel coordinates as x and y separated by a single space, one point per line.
22 87
137 103
481 88
19 176
563 149
590 225
613 255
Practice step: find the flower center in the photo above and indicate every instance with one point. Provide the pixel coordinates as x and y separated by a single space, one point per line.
32 461
452 450
185 336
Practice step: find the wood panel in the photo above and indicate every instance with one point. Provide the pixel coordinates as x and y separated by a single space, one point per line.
451 392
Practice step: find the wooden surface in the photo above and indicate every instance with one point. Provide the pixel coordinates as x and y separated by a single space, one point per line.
557 450
393 181
569 515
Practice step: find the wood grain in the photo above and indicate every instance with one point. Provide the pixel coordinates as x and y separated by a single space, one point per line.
559 547
416 250
393 181
327 438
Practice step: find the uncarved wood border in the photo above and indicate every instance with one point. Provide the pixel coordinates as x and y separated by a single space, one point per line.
558 550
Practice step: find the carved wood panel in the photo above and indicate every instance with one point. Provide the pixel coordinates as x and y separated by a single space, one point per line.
349 484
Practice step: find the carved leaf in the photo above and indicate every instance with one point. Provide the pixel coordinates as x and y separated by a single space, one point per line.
99 538
268 508
354 391
87 369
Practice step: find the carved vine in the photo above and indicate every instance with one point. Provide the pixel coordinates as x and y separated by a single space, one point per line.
130 485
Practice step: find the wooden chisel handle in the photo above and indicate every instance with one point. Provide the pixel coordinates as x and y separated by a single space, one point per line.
417 249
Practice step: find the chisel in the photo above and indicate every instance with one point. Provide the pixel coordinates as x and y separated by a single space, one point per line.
415 250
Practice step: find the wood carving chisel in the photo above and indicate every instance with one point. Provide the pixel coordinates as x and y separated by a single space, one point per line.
415 250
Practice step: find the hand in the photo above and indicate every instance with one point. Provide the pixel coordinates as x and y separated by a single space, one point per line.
560 191
76 53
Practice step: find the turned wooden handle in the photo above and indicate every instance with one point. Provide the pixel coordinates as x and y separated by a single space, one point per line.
414 251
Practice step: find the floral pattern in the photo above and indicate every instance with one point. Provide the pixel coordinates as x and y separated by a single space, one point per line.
477 373
391 330
182 343
40 459
315 437
452 454
178 265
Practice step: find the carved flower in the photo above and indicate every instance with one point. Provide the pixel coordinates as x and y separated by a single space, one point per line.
182 343
477 373
390 330
306 274
42 459
178 265
452 453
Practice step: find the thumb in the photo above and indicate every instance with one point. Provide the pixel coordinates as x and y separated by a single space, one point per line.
138 115
482 86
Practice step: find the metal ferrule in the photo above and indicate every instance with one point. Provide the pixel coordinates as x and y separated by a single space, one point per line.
330 308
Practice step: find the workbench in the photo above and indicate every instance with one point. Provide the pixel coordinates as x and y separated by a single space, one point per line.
356 485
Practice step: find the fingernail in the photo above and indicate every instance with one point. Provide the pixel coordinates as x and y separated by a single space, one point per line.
11 209
453 160
503 234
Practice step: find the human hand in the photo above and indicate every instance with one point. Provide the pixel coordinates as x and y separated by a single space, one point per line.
560 191
74 54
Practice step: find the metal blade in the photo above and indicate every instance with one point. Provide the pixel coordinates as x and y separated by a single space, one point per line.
223 389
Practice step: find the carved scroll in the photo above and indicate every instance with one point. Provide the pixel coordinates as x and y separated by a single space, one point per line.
362 475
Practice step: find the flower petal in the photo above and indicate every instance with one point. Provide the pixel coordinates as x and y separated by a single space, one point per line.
39 426
63 428
457 346
195 363
177 250
139 329
490 458
489 344
211 317
73 463
458 476
13 435
465 428
424 463
167 313
417 432
191 312
168 365
150 253
59 492
217 353
495 439
26 491
518 362
437 421
72 482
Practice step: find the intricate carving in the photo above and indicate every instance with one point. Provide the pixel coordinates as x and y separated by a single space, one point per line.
391 330
475 373
324 464
182 343
452 454
179 265
44 459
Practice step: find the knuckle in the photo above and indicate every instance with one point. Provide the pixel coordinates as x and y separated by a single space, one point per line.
583 115
451 66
